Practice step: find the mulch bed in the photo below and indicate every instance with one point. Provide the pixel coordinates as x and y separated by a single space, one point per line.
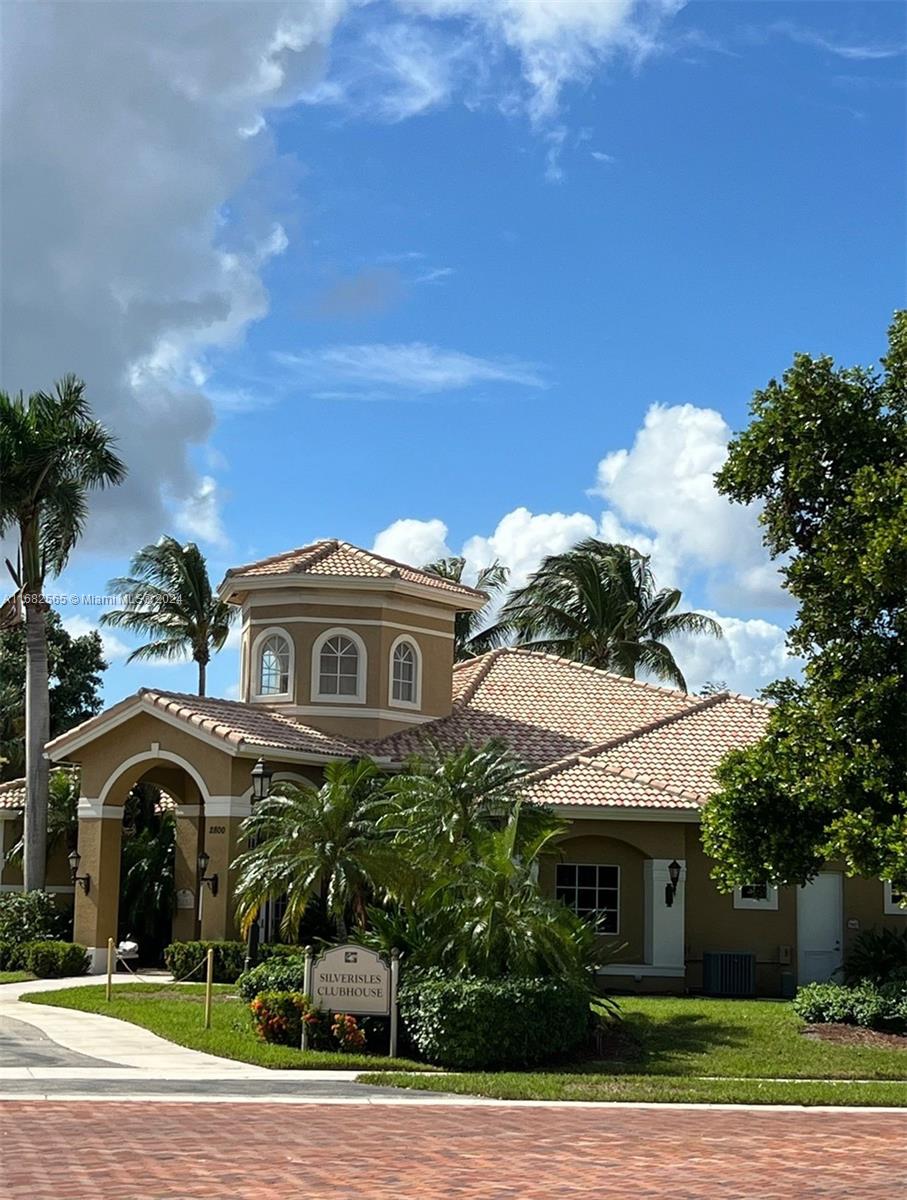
856 1035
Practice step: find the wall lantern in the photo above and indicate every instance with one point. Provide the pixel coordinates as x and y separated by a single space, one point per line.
261 780
84 881
204 878
671 888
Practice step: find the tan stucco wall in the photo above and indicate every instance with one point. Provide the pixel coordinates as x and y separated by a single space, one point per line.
712 923
864 903
431 632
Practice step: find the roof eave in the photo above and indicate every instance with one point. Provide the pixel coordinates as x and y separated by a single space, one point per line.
232 591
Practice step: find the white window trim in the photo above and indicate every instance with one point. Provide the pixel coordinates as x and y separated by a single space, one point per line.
891 908
613 866
769 904
255 682
417 703
362 679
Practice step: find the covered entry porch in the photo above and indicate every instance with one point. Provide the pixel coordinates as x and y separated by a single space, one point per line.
195 752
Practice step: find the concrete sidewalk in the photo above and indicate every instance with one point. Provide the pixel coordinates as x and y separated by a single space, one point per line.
59 1045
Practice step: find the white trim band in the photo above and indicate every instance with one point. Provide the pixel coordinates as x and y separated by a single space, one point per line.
97 810
228 806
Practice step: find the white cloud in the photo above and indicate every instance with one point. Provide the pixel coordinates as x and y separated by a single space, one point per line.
522 539
600 156
751 654
560 41
128 254
198 516
662 497
414 542
115 649
854 51
412 367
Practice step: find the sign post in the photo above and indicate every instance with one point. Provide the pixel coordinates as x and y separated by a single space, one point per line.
395 979
307 988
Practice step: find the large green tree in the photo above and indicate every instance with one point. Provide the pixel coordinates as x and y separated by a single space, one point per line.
169 598
74 665
53 453
472 633
598 603
826 456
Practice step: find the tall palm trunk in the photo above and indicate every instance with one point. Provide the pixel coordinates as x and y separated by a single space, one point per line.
37 735
202 677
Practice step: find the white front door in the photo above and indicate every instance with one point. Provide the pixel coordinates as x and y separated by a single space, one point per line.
819 927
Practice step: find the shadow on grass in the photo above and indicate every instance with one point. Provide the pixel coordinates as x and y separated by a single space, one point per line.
639 1044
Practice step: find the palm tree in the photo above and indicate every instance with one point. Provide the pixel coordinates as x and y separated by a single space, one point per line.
170 599
307 841
441 799
598 604
53 453
470 637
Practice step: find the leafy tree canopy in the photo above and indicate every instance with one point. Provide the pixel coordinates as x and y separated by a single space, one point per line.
75 666
826 455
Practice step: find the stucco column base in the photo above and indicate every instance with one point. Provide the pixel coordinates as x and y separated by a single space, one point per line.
222 842
95 918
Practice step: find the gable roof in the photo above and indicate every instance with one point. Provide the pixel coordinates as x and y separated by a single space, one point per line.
238 727
668 764
12 794
330 558
543 706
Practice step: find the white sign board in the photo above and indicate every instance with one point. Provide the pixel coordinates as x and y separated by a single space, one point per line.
351 979
185 898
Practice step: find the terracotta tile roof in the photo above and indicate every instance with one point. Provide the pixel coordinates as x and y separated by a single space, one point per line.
246 724
340 559
12 794
669 764
543 706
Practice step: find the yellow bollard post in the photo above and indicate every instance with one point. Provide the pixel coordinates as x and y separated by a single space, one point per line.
209 986
111 962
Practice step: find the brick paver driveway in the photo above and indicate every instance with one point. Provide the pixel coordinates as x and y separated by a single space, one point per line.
128 1150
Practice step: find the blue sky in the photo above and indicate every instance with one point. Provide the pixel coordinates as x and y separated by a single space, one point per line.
483 277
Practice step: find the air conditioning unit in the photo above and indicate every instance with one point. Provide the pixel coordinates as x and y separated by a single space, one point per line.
728 973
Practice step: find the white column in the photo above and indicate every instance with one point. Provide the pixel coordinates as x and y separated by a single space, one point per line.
664 925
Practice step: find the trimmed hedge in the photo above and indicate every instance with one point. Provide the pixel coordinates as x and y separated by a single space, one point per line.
283 973
229 958
12 956
866 1004
29 917
54 960
490 1024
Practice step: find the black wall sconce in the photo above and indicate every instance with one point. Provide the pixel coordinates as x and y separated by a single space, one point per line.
84 881
203 878
671 888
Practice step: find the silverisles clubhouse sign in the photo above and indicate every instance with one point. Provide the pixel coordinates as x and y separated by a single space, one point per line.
351 979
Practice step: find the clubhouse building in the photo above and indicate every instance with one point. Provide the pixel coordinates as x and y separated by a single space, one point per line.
345 653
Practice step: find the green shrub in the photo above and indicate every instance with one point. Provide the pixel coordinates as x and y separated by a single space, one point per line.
11 956
877 955
182 959
29 917
283 973
867 1004
54 960
482 1024
278 1016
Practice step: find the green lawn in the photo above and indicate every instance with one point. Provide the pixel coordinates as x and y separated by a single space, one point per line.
708 1051
15 976
176 1012
652 1088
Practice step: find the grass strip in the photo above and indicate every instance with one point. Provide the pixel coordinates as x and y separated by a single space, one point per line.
175 1012
648 1088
